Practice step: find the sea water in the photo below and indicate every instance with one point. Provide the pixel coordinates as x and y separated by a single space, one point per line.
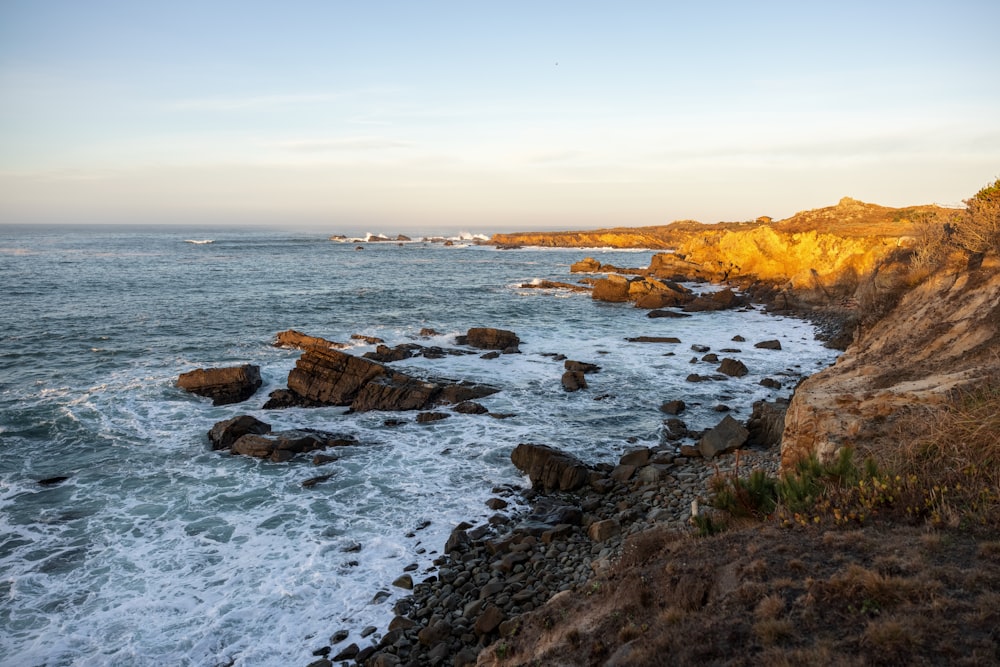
157 550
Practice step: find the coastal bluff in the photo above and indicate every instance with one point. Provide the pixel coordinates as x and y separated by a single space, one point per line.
814 257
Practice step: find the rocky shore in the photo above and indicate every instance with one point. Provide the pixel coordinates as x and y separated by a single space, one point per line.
492 573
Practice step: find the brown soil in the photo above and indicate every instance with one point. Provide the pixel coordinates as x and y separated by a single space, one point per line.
763 595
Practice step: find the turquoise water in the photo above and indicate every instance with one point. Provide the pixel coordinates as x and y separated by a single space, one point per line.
157 550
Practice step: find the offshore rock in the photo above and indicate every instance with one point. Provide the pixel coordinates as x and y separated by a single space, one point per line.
330 377
232 384
585 265
733 367
487 338
614 289
574 381
223 434
283 445
548 468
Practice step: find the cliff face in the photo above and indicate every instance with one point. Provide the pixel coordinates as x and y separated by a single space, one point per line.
814 256
943 335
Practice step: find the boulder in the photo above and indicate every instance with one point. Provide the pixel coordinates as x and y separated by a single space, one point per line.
299 340
574 381
599 531
653 339
733 367
460 392
728 435
613 288
223 434
471 408
486 338
548 468
674 407
769 345
581 366
427 417
395 392
585 265
223 385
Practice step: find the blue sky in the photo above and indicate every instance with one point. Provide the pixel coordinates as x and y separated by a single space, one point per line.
445 116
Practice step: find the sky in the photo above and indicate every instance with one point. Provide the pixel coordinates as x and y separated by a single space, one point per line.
438 117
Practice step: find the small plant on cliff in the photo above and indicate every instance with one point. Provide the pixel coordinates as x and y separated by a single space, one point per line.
977 229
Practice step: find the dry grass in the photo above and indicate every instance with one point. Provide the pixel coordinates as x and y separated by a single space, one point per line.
948 458
874 596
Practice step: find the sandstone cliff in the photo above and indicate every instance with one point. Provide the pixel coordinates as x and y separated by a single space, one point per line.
943 335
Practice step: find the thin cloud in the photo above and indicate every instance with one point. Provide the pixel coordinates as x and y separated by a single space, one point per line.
343 144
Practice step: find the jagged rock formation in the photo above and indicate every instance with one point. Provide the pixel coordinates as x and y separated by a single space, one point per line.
324 376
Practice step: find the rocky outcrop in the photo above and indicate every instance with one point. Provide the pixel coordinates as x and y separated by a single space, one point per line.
766 423
248 436
549 468
298 340
223 434
487 338
330 377
943 335
232 384
283 445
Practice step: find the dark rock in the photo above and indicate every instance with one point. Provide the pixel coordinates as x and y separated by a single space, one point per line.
384 354
347 653
339 636
666 313
323 459
767 423
674 407
371 340
769 345
490 355
700 348
486 338
574 381
313 481
770 383
426 417
653 339
460 392
580 366
282 445
739 339
711 358
52 481
223 385
675 429
728 435
404 581
549 468
470 408
496 503
427 332
223 434
733 367
695 377
636 457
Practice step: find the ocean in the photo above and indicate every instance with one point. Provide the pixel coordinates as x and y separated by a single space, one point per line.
156 550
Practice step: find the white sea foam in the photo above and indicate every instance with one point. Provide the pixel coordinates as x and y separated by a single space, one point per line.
157 550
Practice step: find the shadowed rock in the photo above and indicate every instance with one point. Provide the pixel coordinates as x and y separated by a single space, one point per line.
549 468
728 435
